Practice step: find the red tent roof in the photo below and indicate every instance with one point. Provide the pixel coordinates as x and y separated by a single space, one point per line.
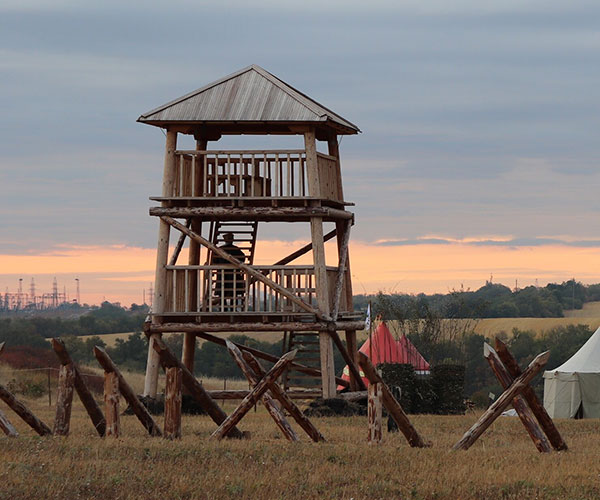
383 348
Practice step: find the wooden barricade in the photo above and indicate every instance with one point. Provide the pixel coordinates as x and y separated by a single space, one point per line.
88 401
254 372
126 391
111 404
168 360
374 411
514 389
390 403
255 394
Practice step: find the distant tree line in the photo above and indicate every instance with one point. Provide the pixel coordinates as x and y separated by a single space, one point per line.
490 301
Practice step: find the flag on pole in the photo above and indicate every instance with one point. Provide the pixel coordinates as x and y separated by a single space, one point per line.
368 318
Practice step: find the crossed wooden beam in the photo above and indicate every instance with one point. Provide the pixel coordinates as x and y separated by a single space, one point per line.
517 392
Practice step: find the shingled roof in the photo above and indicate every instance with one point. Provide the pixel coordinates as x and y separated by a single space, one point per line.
251 95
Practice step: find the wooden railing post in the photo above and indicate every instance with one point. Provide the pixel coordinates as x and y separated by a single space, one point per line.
111 404
374 410
64 400
172 427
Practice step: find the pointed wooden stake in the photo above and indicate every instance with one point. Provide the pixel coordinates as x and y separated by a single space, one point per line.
127 392
20 409
64 401
6 426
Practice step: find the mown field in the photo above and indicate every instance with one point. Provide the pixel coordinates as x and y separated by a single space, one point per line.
503 464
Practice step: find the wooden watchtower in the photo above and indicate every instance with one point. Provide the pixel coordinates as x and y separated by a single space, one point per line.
212 196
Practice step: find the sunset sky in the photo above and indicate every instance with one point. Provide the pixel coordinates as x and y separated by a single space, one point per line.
479 153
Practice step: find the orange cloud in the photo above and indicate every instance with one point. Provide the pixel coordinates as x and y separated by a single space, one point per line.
408 268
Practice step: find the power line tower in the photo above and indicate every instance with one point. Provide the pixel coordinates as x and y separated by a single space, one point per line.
78 297
32 301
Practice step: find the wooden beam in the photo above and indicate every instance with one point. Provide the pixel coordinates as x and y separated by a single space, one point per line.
266 398
64 400
247 269
251 213
296 326
304 250
172 426
162 254
374 412
6 426
168 359
286 401
2 347
269 357
255 394
111 404
127 392
535 404
20 409
525 414
179 246
392 406
502 402
86 397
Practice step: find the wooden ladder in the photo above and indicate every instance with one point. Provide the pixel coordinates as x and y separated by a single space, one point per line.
308 354
244 237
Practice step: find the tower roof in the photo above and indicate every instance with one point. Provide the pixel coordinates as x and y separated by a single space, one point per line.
248 101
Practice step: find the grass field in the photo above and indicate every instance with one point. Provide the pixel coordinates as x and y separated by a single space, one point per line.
503 464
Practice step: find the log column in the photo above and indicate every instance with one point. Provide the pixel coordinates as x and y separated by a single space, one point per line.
162 254
321 284
189 339
351 342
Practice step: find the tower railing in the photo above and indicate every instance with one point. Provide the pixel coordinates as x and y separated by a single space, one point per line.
251 174
227 289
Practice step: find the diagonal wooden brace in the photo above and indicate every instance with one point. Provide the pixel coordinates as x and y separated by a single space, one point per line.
396 411
20 409
255 394
536 406
525 414
494 411
244 267
266 398
278 393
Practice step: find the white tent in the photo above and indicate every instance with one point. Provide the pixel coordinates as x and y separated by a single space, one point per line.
573 389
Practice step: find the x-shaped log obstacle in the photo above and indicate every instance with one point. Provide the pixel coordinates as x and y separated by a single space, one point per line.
169 360
255 394
534 403
495 410
388 400
254 372
82 389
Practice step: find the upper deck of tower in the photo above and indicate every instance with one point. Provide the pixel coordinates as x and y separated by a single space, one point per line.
255 102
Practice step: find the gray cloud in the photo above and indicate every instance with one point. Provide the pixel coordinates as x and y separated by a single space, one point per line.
478 117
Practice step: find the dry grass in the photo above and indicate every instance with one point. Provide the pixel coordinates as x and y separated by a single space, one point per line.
502 464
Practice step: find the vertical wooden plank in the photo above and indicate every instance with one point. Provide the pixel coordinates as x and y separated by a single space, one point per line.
111 404
6 426
64 401
162 253
172 426
374 410
312 170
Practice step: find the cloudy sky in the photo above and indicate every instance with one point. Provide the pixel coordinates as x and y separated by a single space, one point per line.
479 153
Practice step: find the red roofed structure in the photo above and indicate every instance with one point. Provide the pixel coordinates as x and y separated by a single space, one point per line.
382 347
